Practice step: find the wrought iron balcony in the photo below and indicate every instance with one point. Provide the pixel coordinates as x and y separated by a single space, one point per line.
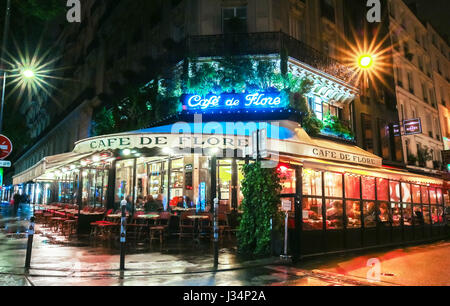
266 43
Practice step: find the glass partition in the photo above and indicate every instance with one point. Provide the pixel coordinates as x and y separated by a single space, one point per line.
370 214
384 213
426 214
352 186
124 179
396 214
368 188
335 214
333 185
416 195
407 215
394 191
288 181
382 189
312 182
312 214
418 215
353 214
406 193
433 196
425 195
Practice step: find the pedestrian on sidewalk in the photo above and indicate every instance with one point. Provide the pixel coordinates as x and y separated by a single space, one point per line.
17 199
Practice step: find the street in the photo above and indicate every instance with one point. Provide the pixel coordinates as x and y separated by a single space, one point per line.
81 264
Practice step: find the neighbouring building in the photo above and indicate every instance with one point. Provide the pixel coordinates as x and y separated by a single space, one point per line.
414 65
440 64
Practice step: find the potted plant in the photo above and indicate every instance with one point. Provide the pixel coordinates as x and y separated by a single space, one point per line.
424 156
412 160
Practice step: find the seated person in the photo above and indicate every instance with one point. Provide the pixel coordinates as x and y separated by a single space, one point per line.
153 205
370 215
418 216
176 202
140 202
385 216
334 214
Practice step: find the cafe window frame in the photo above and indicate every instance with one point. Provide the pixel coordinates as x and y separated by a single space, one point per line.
398 209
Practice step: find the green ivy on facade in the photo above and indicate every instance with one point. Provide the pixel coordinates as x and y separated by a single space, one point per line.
261 217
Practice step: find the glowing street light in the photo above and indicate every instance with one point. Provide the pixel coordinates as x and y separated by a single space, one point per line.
28 73
365 61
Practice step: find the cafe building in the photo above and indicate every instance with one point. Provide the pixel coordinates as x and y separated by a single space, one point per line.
341 196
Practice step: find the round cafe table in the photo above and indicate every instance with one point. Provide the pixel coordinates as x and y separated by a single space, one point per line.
148 217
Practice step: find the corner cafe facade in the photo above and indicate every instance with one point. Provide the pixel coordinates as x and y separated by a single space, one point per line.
341 197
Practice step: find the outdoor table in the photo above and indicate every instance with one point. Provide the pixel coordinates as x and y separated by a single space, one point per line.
114 216
196 219
148 217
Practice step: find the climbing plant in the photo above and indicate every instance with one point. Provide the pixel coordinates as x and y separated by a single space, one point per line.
333 125
261 190
160 97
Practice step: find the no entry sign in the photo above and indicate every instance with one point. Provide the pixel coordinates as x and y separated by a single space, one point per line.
5 147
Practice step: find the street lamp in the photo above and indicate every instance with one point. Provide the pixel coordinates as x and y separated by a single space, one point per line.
28 73
365 61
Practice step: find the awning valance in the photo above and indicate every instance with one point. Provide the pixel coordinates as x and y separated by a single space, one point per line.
284 137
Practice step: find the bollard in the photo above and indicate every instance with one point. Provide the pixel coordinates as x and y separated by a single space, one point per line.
216 232
286 257
30 243
123 234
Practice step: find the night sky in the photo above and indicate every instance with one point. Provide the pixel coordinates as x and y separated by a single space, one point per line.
437 12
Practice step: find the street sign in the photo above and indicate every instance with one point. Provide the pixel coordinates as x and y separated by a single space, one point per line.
412 126
5 164
397 130
286 205
5 147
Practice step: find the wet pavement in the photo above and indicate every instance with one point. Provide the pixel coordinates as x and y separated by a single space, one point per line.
57 261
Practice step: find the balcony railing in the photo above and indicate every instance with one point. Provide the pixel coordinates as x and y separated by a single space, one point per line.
266 43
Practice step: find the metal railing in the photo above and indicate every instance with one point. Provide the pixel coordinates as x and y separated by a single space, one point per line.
239 44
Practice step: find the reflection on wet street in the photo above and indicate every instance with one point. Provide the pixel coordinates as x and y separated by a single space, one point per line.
59 261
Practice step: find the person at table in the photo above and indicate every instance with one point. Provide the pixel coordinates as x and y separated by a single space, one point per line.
334 214
140 203
153 205
160 201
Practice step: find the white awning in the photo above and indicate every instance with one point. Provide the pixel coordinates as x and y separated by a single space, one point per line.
41 170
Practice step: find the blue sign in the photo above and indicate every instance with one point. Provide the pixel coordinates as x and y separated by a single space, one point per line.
202 195
231 101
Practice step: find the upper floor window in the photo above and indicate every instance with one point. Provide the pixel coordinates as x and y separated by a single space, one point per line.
323 109
366 121
327 8
425 92
410 82
234 19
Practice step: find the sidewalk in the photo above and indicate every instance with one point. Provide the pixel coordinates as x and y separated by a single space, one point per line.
56 261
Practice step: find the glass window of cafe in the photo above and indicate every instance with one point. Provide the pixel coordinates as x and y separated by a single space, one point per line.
368 201
95 185
172 181
67 187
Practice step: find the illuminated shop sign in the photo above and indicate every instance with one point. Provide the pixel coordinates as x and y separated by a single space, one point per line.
412 127
231 101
